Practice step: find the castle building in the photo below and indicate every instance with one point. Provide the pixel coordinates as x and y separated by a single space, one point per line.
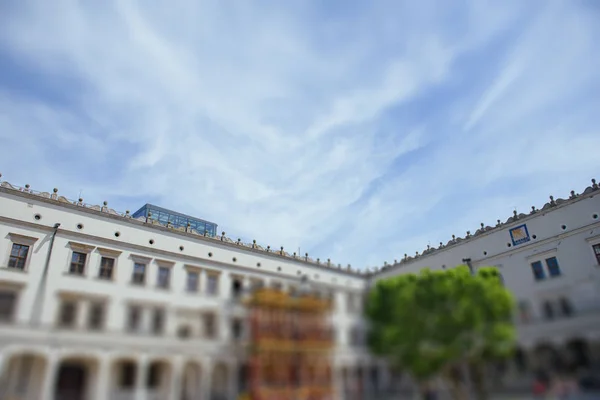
97 304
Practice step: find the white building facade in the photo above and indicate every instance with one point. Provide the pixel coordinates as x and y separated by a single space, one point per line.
550 260
98 305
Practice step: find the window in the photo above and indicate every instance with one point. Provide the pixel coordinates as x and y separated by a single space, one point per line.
236 329
553 268
210 328
18 256
212 284
68 314
164 277
236 288
107 265
184 332
139 273
565 307
548 310
350 302
96 316
596 248
538 270
8 300
77 263
524 311
355 337
192 281
158 321
134 318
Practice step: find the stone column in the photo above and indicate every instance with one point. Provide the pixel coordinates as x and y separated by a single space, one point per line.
176 378
50 375
338 383
233 366
206 378
103 389
141 390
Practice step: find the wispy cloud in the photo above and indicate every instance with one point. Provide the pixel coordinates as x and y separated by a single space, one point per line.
357 132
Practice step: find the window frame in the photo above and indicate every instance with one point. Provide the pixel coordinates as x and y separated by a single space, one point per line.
549 269
112 254
538 267
146 261
15 290
237 324
134 273
22 240
155 329
101 269
210 276
82 249
159 283
140 318
60 318
196 287
548 310
83 272
102 320
212 333
597 255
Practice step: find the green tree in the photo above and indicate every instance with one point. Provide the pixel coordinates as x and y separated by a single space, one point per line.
435 322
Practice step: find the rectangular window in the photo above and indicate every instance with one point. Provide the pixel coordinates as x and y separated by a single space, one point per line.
139 274
192 281
212 284
553 268
158 321
18 256
565 307
96 316
164 277
210 328
236 329
8 300
77 263
134 318
548 310
68 314
538 270
524 311
236 288
355 337
350 302
107 265
596 248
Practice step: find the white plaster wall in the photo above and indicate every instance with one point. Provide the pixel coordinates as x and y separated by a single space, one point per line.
580 279
17 213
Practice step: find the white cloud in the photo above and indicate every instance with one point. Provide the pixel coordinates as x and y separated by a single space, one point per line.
352 135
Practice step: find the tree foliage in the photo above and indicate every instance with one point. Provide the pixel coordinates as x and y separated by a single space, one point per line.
429 321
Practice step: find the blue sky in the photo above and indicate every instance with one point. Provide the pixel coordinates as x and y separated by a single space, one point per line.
357 131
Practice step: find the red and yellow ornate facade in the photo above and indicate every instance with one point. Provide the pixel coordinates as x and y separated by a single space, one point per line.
290 344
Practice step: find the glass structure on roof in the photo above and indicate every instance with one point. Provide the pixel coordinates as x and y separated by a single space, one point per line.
176 219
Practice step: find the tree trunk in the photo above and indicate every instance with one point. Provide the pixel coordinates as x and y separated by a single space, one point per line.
478 375
454 378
